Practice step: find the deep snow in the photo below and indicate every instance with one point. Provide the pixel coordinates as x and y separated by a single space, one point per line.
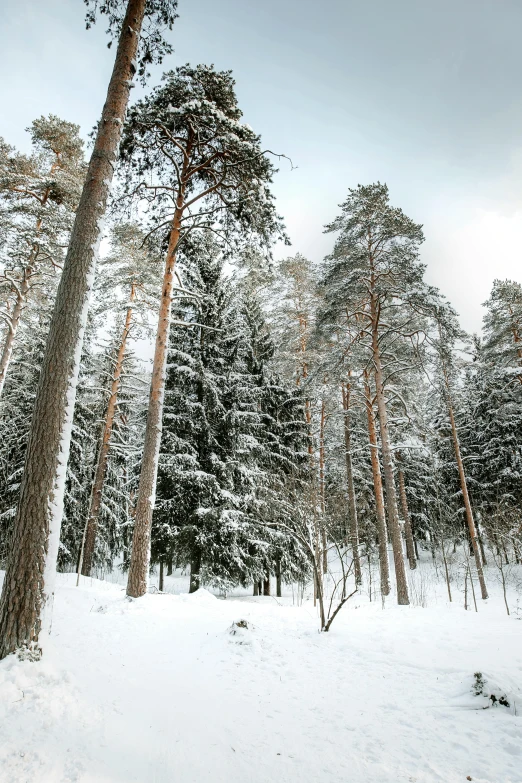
159 690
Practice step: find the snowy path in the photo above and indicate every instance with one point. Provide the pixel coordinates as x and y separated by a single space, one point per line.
158 690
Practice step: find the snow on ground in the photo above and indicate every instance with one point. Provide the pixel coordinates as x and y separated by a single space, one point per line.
160 690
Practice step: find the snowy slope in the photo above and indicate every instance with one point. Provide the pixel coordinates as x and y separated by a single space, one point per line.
159 690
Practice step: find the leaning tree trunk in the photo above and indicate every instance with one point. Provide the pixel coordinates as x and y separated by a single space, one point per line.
391 497
354 529
14 323
410 545
379 495
91 527
465 495
29 581
140 554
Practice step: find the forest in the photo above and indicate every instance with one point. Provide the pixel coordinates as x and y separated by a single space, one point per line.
189 406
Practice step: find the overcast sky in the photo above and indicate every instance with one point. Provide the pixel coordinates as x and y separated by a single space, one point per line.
423 95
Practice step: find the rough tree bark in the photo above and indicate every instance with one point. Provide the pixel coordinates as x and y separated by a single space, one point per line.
139 564
354 528
391 496
91 528
408 531
28 589
266 585
377 486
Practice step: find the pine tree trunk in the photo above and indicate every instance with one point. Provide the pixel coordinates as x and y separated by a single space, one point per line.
195 568
408 532
391 497
379 495
256 588
7 351
266 585
169 566
140 554
354 529
29 582
464 488
279 581
103 453
161 577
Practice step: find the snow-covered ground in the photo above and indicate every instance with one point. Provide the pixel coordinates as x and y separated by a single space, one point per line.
160 690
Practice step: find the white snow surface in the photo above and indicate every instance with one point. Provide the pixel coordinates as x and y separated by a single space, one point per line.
165 688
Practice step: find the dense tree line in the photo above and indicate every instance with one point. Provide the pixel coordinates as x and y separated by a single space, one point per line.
299 420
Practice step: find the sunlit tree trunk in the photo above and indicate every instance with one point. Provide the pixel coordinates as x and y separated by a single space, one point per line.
140 554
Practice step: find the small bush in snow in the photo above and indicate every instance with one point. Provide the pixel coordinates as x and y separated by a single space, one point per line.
492 694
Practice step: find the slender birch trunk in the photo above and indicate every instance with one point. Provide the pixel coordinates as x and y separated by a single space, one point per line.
28 589
379 495
464 488
89 540
408 531
354 528
391 496
140 554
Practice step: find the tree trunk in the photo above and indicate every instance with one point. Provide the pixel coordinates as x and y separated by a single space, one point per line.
169 566
140 554
410 546
256 588
161 578
279 581
481 541
103 453
195 568
266 585
464 488
29 582
391 497
379 495
324 541
14 322
354 528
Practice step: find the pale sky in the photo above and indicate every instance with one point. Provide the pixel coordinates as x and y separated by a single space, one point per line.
423 95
